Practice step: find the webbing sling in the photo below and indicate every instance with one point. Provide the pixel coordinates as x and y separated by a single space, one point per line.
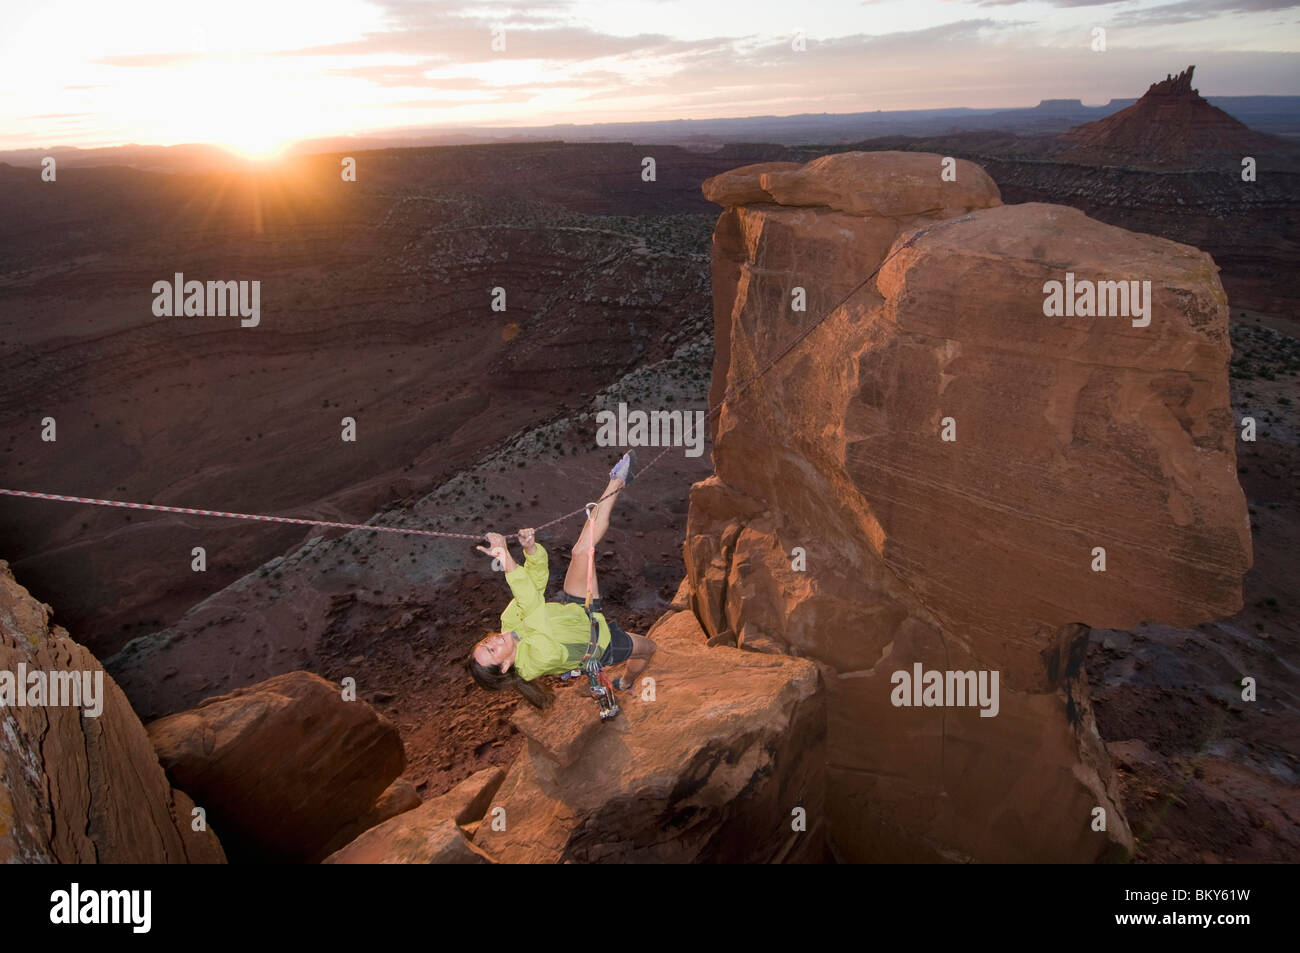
602 689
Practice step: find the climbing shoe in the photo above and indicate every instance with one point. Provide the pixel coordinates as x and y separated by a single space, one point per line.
623 469
621 684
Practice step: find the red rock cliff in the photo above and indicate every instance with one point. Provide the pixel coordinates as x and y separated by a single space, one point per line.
80 784
972 554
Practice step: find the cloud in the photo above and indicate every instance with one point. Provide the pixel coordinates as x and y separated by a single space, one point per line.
470 41
770 71
972 63
393 76
1187 11
414 14
462 32
416 77
151 59
1180 12
513 95
1054 3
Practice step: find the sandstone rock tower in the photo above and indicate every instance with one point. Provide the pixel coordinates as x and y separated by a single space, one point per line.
1180 85
978 553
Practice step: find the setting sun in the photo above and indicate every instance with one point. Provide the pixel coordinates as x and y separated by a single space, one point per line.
250 108
257 144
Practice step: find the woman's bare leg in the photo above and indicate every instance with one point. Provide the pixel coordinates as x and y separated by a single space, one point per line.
593 531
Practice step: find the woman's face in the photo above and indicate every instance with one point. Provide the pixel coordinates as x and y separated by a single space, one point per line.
497 650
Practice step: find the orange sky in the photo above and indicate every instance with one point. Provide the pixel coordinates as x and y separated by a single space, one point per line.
255 75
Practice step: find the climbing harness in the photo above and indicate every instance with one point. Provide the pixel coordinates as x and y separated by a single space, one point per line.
602 689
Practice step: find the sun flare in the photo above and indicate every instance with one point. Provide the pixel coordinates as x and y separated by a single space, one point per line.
255 145
246 106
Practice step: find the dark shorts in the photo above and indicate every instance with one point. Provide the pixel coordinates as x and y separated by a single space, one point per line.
620 643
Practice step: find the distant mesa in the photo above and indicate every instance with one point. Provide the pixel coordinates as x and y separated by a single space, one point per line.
1170 127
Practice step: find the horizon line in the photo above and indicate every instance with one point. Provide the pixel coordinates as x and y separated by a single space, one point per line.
416 132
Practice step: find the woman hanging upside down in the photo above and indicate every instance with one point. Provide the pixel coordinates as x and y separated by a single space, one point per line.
550 638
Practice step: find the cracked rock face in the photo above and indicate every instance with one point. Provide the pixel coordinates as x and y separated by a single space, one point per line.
840 524
78 789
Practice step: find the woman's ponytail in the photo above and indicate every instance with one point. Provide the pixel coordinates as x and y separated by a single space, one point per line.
494 680
539 696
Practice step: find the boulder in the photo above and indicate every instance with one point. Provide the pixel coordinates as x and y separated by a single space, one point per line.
718 759
281 767
433 833
842 525
743 186
398 798
80 784
889 185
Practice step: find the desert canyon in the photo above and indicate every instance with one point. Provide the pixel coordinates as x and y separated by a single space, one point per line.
922 483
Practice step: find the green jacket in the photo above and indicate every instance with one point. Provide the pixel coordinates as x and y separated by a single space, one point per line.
553 636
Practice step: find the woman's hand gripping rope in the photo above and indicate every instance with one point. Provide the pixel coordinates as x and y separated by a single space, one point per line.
496 548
